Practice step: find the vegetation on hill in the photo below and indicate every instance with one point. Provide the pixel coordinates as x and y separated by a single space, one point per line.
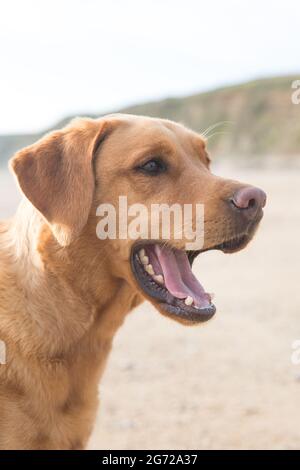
254 119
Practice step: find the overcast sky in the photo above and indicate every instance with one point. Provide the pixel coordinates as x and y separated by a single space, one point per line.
60 57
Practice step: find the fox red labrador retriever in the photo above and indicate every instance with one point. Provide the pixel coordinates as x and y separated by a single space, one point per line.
64 292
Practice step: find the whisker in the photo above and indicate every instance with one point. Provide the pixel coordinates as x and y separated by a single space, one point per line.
214 126
217 133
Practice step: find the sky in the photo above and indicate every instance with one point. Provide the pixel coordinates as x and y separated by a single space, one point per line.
66 57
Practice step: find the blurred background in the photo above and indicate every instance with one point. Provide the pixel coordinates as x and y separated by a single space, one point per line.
227 66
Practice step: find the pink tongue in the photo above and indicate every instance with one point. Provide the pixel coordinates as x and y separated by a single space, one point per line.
178 276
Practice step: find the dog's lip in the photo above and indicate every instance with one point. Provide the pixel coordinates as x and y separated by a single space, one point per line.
173 306
160 294
230 245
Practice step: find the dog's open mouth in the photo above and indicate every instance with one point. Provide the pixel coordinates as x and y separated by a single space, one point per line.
165 274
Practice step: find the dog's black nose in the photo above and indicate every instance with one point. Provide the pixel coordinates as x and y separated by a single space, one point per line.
249 199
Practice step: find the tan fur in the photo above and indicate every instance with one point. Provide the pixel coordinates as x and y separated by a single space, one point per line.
63 292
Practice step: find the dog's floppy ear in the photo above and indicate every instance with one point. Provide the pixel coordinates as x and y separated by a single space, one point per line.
56 175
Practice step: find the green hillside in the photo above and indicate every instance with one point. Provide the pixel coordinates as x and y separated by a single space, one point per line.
257 118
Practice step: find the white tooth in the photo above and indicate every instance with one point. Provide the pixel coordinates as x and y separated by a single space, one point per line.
145 260
142 253
149 269
159 278
189 300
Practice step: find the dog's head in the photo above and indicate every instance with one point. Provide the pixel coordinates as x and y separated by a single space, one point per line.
143 172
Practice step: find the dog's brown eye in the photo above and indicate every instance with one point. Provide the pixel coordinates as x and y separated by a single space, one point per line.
153 167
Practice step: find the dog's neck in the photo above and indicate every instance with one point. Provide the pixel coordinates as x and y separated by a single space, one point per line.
71 297
59 311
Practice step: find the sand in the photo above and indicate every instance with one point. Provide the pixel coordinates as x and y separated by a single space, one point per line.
229 384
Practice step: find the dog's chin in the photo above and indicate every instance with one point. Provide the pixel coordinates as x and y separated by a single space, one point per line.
164 276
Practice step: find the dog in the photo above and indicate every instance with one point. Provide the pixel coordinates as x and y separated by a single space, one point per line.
64 292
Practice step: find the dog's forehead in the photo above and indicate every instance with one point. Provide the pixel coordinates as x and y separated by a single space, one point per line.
141 130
